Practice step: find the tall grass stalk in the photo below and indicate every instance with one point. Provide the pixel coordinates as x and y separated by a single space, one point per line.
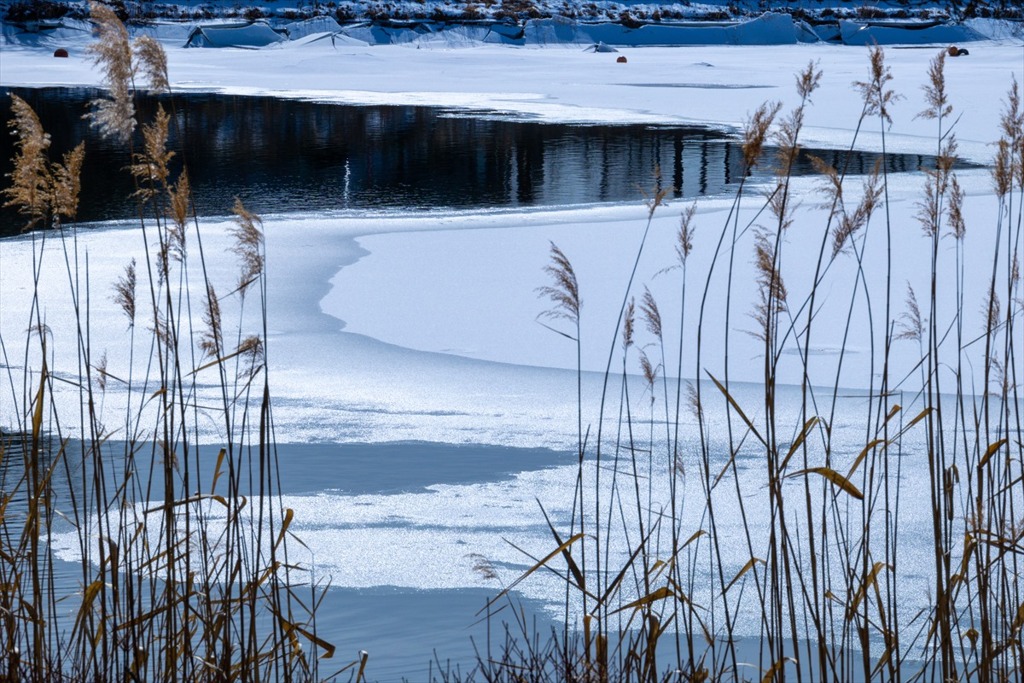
184 570
812 573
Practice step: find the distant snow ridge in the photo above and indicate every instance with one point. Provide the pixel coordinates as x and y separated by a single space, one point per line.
771 28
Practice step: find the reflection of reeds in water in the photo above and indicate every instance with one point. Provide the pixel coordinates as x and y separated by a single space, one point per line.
824 566
185 571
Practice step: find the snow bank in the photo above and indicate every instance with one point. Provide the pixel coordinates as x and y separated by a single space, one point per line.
768 29
905 33
302 29
256 34
45 33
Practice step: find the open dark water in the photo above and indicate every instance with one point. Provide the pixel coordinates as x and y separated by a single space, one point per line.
296 156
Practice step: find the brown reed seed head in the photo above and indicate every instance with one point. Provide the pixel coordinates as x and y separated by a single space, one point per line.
788 133
928 208
756 130
150 167
946 160
483 566
179 196
564 292
30 180
1009 161
152 62
124 292
248 235
628 320
649 371
992 310
650 312
684 238
66 184
955 211
1002 168
808 80
771 289
1012 119
693 399
252 351
101 372
875 93
911 324
850 224
210 339
112 52
935 90
779 203
40 190
768 275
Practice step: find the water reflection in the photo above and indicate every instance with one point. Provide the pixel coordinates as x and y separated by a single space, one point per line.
285 155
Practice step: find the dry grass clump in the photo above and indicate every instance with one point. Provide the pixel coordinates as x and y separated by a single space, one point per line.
824 568
184 570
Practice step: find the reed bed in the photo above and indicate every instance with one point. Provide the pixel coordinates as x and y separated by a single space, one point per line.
728 531
718 531
186 569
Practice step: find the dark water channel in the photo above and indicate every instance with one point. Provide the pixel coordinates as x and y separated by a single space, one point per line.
295 156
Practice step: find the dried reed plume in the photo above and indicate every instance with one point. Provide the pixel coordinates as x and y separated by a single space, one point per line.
114 116
656 196
101 372
1009 160
41 191
1002 168
756 131
684 238
124 292
875 92
808 80
248 234
693 400
788 132
210 341
628 319
651 314
991 309
935 90
955 212
483 567
770 286
251 350
152 62
564 293
850 224
30 184
150 167
66 184
911 325
180 195
936 187
649 371
768 275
